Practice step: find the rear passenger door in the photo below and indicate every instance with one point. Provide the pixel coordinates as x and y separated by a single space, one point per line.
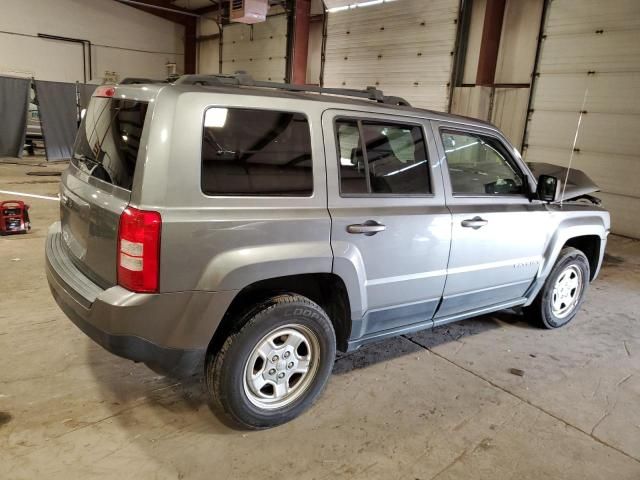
390 228
498 233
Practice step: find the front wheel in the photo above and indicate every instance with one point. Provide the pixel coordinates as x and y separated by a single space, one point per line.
563 292
276 365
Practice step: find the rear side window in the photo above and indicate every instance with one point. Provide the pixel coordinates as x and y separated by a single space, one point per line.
108 139
256 152
382 158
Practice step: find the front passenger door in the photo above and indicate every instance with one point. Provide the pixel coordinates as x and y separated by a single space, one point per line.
498 233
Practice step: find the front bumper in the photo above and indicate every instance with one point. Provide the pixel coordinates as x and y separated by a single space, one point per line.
170 331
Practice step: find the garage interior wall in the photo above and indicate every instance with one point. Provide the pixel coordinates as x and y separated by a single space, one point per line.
208 46
594 45
314 52
125 40
505 102
403 47
259 49
314 58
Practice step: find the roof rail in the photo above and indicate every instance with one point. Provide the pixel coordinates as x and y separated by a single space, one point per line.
138 81
243 79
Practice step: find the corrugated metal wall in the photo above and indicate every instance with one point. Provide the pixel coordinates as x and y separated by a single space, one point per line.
504 105
596 45
472 101
260 50
402 47
208 46
509 112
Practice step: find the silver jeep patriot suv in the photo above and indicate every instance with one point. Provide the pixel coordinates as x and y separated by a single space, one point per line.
254 228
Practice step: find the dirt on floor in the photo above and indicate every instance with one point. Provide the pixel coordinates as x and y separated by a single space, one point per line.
488 398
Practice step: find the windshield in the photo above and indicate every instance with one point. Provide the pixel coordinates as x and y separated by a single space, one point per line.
108 140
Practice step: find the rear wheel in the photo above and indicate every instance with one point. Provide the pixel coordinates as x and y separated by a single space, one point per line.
276 365
563 292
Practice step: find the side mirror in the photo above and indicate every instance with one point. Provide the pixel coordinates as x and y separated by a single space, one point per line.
547 188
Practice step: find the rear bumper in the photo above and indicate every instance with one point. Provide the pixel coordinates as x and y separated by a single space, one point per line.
169 330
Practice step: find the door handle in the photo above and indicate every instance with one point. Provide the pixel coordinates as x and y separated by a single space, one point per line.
368 228
475 222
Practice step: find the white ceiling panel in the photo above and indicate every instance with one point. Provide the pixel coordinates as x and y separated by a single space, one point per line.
344 4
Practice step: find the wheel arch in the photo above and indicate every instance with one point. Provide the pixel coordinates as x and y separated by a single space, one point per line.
583 233
326 289
590 246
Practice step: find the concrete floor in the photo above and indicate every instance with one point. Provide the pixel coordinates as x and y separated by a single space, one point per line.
438 404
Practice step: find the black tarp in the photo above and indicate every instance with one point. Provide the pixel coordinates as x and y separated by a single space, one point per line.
14 104
58 117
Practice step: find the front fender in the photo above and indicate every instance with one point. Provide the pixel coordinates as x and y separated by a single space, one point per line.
238 268
568 228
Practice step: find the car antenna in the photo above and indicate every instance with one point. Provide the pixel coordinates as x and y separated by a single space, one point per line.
575 140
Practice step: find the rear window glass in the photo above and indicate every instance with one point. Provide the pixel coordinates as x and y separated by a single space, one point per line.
108 139
256 152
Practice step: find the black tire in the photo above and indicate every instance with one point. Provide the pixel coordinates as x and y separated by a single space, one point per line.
225 369
541 310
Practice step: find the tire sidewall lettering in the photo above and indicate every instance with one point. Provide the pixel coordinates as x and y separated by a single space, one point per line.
301 312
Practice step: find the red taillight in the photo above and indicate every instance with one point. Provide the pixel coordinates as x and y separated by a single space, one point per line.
139 250
104 91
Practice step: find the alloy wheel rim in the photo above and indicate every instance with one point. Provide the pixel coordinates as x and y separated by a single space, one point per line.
281 367
566 291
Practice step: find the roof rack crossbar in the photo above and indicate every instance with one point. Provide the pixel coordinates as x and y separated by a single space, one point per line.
243 79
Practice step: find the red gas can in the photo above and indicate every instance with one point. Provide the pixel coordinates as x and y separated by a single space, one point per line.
14 217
